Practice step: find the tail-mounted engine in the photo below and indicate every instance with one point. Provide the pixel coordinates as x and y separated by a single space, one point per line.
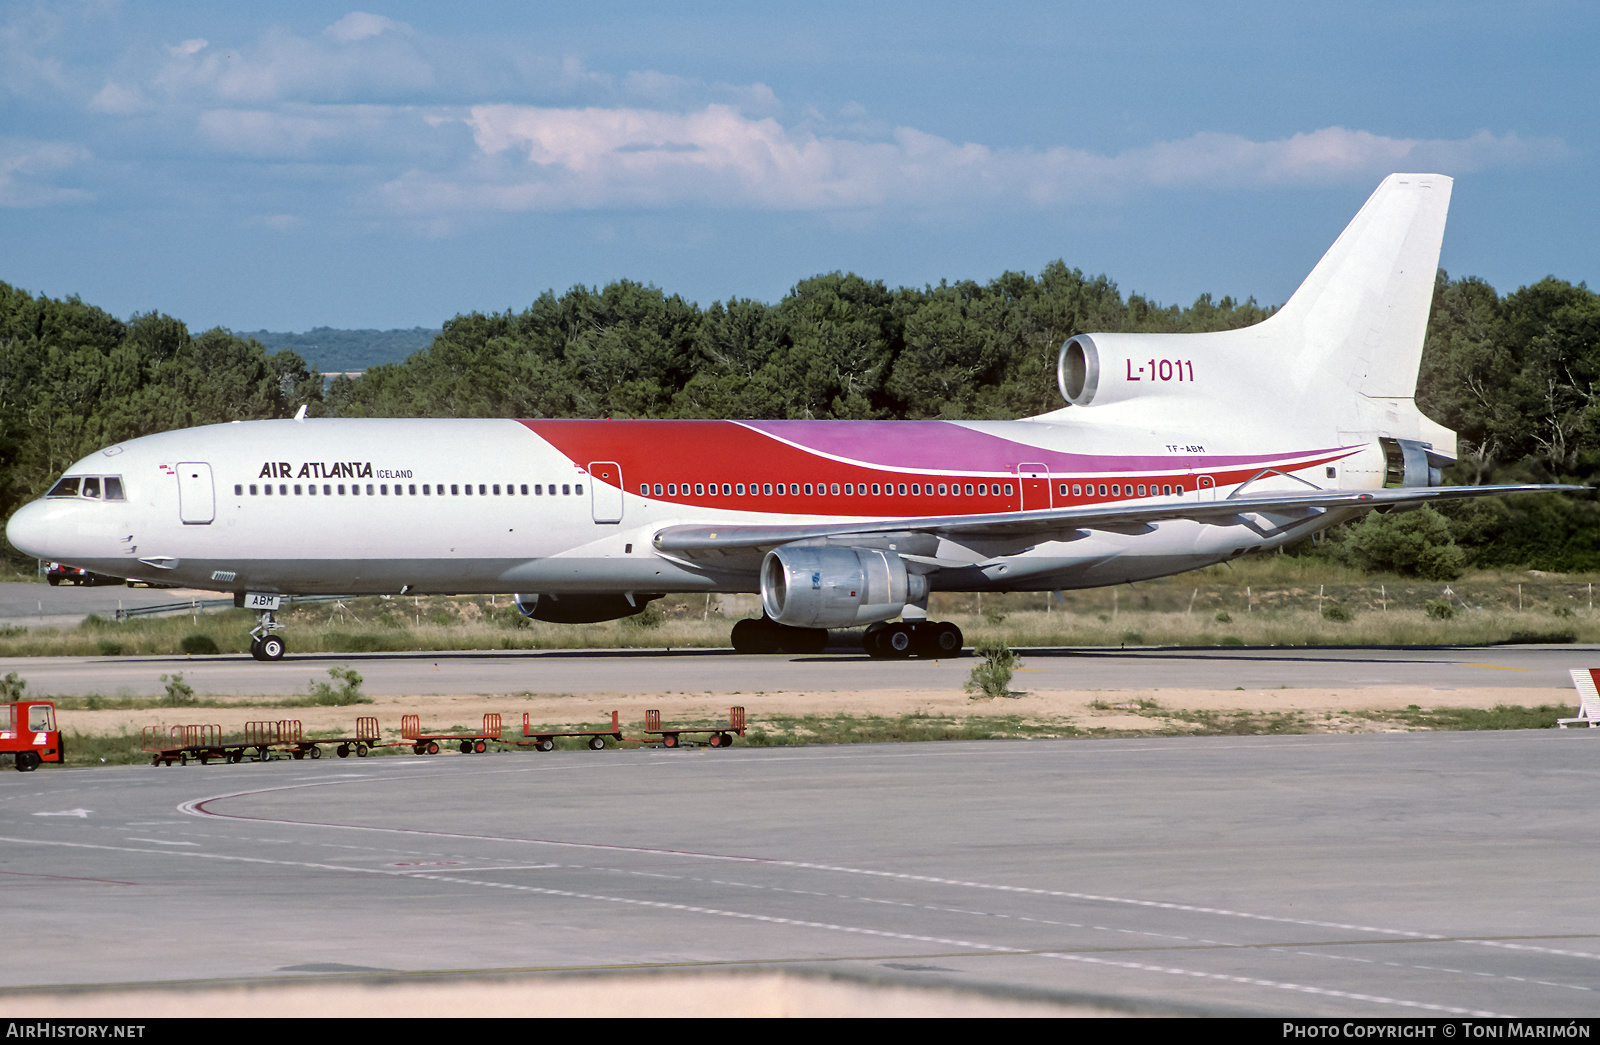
1111 368
820 587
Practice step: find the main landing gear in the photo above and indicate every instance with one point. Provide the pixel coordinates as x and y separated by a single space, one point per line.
768 636
907 638
883 641
265 643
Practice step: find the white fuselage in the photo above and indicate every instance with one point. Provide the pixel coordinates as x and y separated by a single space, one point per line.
455 506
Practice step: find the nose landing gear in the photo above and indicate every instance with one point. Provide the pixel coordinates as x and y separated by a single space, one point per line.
265 643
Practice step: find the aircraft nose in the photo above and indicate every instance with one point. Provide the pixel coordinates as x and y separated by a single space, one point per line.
29 530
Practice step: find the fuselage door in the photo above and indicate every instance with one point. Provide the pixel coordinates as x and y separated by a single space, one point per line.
1034 479
605 491
197 501
1207 488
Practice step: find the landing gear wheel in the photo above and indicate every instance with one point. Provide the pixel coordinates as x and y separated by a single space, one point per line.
871 641
597 743
269 648
948 640
753 635
545 744
897 641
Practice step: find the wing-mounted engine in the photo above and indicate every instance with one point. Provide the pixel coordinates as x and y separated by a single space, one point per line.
582 609
822 587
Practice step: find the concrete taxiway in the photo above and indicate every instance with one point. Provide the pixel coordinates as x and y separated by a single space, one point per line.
1397 875
724 672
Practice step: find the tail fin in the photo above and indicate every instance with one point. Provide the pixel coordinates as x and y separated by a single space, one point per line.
1359 319
1348 341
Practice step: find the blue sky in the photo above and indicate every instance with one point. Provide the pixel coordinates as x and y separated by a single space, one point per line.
316 164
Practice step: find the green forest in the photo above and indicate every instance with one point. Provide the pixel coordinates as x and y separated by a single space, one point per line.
1515 375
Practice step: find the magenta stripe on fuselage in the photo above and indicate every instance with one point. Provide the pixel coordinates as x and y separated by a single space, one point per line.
945 446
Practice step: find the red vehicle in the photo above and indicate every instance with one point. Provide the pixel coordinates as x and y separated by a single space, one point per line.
57 572
28 734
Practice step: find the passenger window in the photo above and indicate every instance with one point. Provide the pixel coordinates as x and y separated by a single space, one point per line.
524 489
297 489
327 490
267 489
672 489
312 489
1008 489
455 491
644 489
384 489
659 489
1166 491
497 489
1102 489
969 489
699 490
983 489
238 489
1141 489
1077 491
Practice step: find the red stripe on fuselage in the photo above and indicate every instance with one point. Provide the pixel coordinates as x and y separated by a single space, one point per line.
717 453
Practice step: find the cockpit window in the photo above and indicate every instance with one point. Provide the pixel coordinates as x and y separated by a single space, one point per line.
107 487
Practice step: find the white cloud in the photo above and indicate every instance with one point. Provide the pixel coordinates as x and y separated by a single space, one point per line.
534 158
358 25
23 166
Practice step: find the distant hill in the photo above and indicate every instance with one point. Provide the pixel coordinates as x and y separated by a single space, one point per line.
333 351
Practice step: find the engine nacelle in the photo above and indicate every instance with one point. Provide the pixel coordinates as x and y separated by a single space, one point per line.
581 609
820 587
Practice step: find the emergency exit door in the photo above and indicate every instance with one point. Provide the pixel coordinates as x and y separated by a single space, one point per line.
197 499
605 491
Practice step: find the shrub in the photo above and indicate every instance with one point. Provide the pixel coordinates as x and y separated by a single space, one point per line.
1336 612
1224 618
1439 610
348 691
991 676
179 693
198 645
11 687
108 648
1414 543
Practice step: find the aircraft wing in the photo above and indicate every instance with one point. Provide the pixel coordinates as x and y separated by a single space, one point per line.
1064 524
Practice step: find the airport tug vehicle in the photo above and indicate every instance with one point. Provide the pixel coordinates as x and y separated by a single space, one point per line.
28 734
